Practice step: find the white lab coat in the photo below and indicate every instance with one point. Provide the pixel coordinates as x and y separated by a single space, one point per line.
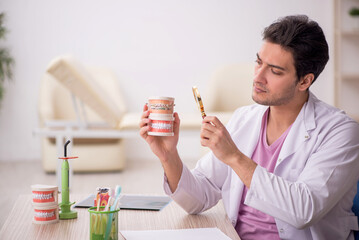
310 193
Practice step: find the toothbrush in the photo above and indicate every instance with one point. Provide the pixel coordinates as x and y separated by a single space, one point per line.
112 208
117 205
108 204
117 192
98 203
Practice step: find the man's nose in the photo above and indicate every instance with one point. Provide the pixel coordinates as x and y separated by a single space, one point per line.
260 75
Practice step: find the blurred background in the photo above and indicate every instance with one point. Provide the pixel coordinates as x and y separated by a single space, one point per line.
154 47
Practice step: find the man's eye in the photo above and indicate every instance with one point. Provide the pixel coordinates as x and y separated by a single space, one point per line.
258 61
275 72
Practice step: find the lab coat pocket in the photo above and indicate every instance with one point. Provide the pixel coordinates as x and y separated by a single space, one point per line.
350 223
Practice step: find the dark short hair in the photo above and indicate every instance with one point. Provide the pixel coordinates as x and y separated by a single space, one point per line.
304 38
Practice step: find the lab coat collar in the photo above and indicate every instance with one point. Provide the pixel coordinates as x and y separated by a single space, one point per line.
309 114
300 131
253 138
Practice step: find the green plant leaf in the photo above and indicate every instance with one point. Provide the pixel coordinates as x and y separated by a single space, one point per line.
2 28
1 92
6 61
354 12
6 64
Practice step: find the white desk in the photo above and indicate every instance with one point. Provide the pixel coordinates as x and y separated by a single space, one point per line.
19 223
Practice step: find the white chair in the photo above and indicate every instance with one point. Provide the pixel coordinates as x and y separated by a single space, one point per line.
230 88
98 99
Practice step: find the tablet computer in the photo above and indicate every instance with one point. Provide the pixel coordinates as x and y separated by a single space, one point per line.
139 202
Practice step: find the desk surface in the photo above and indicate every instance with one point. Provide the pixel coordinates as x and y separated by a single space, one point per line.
19 223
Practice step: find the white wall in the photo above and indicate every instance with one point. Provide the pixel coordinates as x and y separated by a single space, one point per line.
156 47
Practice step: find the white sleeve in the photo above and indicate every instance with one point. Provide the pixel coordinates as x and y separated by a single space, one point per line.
329 174
199 189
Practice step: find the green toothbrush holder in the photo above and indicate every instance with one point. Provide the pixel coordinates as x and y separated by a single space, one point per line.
98 223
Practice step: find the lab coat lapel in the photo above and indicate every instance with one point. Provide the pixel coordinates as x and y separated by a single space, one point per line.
300 131
246 146
250 141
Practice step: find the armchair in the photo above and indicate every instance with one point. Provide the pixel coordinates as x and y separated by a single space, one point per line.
230 88
56 104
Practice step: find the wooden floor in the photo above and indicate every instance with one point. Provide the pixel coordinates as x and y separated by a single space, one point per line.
139 177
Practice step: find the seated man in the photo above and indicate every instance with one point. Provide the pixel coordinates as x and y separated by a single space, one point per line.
286 167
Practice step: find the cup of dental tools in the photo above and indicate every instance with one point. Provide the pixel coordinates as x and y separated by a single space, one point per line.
161 115
45 204
103 224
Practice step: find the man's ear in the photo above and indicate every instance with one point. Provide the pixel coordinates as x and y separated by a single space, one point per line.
306 81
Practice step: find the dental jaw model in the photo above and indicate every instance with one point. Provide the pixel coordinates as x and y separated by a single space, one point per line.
44 201
161 115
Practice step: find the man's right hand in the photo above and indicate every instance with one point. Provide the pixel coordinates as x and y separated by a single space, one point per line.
162 146
165 148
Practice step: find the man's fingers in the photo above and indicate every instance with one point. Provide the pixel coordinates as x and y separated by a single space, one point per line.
204 142
213 121
206 134
144 130
145 114
176 123
209 127
144 122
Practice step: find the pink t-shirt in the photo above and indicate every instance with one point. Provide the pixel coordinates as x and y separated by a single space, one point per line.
252 223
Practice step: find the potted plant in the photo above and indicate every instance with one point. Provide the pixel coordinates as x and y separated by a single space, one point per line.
6 61
354 12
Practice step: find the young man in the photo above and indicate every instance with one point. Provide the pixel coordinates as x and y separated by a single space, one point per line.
286 167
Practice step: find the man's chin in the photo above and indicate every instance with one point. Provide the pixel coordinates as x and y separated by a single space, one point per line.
260 102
